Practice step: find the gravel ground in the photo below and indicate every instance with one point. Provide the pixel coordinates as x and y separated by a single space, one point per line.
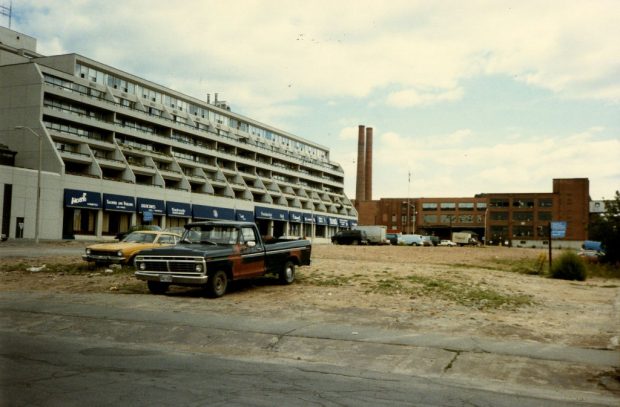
484 292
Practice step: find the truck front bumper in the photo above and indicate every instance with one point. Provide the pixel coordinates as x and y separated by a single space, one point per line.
171 278
101 258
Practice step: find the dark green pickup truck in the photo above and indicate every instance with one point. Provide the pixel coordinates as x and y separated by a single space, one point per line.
212 253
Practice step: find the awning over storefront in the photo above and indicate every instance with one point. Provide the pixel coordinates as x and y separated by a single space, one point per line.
212 212
308 218
343 223
261 212
119 203
178 209
332 221
320 219
155 206
244 216
294 217
76 198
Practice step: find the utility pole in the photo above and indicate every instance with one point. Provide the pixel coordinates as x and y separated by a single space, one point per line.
38 210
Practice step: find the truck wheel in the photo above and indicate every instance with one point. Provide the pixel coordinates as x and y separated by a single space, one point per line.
287 274
217 284
155 287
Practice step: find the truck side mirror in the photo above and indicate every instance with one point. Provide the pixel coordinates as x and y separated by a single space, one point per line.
251 243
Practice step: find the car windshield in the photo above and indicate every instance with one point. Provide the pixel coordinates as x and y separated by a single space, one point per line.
138 237
211 234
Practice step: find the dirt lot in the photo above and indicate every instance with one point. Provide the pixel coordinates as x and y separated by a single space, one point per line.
488 292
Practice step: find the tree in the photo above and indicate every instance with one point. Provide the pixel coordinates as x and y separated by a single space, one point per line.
606 229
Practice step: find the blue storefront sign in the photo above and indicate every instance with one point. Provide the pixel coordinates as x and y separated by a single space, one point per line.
119 203
244 216
178 209
262 212
307 218
155 206
332 221
212 212
75 198
320 219
343 223
353 223
294 217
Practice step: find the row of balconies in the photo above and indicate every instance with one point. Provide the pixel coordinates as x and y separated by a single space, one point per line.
238 141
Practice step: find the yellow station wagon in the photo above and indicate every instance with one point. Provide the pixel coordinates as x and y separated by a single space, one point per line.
124 251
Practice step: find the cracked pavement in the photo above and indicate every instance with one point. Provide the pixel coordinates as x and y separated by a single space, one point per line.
153 324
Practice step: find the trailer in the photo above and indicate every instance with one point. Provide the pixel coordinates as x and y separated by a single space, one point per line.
376 233
465 238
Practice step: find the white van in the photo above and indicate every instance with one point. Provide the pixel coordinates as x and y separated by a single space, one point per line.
410 240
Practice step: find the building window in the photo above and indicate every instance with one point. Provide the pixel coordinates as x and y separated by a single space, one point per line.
495 215
544 215
429 206
499 203
523 216
448 206
466 206
522 231
523 202
430 219
545 202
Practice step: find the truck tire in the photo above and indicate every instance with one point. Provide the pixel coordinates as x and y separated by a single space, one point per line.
287 274
217 284
157 288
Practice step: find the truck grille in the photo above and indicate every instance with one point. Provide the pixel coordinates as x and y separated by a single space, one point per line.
176 265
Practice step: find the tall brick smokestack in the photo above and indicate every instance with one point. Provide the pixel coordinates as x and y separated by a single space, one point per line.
360 183
368 169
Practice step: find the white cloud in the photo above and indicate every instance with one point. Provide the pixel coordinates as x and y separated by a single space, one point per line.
413 97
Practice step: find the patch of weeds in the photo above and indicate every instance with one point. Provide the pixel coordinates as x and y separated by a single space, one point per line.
323 280
603 270
460 293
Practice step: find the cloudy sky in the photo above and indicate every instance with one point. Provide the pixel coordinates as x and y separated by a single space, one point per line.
467 96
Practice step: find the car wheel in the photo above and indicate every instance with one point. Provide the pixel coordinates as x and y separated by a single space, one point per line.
217 284
287 274
155 287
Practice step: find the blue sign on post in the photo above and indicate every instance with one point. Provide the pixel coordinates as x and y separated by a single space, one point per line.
558 230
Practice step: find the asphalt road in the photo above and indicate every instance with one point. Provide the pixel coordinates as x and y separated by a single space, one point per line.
52 371
100 350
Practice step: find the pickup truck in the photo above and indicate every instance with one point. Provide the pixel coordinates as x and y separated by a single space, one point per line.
212 253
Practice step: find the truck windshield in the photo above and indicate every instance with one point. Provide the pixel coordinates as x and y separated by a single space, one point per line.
209 234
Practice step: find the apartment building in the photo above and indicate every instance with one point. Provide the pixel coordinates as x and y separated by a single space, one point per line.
111 149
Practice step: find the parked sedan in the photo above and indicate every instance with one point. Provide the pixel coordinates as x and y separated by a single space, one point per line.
124 251
448 243
352 237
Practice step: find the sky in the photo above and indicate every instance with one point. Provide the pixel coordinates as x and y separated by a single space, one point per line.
464 97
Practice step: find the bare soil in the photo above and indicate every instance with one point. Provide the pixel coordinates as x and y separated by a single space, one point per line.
483 292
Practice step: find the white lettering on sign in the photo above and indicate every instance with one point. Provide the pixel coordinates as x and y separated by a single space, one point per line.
178 211
81 199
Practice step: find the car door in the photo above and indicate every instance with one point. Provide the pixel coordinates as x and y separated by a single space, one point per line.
252 254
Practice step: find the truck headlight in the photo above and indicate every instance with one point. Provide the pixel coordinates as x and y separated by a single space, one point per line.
119 253
199 268
87 251
142 266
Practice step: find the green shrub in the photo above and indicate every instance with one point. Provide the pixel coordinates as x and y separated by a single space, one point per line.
569 266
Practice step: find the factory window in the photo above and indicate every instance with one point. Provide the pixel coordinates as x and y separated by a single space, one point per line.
544 215
523 216
429 206
466 206
499 203
499 215
447 206
545 202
